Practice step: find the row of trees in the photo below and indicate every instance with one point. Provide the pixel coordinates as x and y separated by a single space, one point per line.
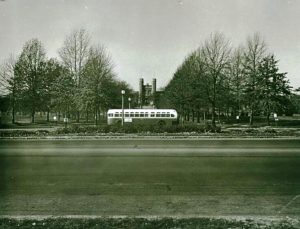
218 79
81 83
214 78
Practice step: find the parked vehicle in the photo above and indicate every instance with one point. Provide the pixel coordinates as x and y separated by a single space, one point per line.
153 116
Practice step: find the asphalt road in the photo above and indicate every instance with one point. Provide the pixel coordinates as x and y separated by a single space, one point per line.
246 177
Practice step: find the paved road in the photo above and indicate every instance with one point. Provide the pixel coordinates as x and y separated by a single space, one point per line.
150 177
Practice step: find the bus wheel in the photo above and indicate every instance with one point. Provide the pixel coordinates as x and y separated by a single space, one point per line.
161 123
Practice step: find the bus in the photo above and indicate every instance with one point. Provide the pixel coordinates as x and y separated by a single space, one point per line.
144 116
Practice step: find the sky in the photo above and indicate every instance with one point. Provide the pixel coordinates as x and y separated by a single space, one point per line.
150 38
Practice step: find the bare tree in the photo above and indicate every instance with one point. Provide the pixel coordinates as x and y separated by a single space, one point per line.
216 57
254 53
7 74
97 73
74 52
237 78
74 55
9 83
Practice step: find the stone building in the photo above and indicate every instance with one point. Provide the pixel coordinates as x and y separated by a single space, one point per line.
147 94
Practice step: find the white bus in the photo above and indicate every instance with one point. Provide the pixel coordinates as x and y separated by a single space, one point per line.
153 116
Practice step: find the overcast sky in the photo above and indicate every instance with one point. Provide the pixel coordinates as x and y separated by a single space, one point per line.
150 38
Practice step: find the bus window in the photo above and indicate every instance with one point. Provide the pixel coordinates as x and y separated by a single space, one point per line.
146 114
110 115
131 114
126 114
142 114
158 114
152 114
172 115
168 114
117 115
136 114
163 114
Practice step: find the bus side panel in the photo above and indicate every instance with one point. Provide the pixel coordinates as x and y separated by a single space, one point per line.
153 121
141 121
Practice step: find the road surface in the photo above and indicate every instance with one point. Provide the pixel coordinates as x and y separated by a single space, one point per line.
246 177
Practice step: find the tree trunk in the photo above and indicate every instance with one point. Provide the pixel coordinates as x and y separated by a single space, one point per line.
13 114
198 116
268 119
78 117
98 111
213 118
32 116
96 117
181 114
48 115
251 117
13 119
193 115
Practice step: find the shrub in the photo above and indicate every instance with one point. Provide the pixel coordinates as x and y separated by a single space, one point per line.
140 128
104 129
270 131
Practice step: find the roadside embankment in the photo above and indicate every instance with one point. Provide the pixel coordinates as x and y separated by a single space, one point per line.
124 222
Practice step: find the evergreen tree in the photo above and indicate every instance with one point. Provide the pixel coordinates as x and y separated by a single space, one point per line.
273 87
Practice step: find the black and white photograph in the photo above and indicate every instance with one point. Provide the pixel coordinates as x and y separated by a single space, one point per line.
150 114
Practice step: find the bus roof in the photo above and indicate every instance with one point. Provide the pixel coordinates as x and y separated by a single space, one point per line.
142 110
